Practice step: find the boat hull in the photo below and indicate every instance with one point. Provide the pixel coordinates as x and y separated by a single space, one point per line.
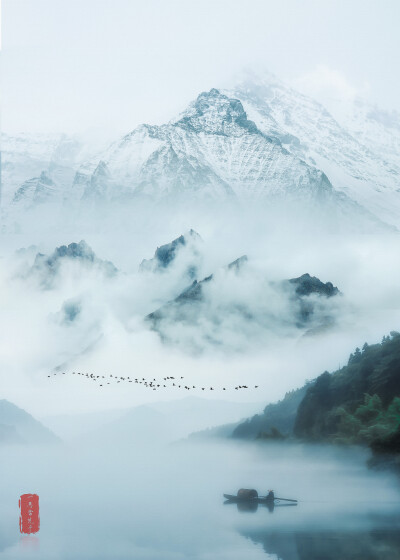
238 499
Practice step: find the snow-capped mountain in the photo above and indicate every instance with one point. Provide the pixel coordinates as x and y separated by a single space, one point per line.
28 159
259 140
36 190
358 148
213 150
38 168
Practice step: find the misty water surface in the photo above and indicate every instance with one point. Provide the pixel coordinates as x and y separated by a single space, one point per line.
157 501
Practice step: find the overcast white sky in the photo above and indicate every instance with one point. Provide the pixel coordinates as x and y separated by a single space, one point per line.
69 65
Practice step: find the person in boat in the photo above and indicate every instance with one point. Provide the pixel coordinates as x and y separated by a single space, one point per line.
270 496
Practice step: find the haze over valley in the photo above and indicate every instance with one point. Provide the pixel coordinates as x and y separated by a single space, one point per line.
199 240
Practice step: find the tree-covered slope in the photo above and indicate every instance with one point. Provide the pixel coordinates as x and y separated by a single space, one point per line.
359 403
277 418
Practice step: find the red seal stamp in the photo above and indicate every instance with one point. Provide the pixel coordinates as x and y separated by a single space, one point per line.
29 520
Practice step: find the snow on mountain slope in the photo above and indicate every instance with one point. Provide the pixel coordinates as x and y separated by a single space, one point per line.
24 157
261 140
36 190
212 150
379 130
30 161
360 156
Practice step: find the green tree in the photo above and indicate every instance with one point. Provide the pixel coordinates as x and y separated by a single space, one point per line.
370 410
348 427
393 413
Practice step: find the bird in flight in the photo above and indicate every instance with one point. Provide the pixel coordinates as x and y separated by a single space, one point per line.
147 383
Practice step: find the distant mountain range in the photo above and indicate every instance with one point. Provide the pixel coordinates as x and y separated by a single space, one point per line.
18 427
237 304
209 309
260 140
156 423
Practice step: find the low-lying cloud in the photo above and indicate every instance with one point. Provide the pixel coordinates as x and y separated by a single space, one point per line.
245 333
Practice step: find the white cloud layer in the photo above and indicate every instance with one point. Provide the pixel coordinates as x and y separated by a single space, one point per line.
109 336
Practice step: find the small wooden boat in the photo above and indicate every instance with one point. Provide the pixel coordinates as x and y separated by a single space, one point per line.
251 496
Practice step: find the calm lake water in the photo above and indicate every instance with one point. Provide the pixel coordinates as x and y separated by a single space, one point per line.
159 502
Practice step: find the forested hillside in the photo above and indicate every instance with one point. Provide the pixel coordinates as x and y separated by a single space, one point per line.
359 403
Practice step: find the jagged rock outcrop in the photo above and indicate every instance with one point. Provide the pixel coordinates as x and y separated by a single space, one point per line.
306 288
213 304
166 254
307 285
183 303
46 267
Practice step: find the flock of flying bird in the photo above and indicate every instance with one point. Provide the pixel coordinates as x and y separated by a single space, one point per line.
153 384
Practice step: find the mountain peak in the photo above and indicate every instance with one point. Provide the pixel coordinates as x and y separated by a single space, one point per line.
79 250
167 253
215 113
307 285
47 266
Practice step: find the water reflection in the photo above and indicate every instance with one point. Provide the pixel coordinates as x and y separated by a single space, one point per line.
379 544
158 502
30 543
252 506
